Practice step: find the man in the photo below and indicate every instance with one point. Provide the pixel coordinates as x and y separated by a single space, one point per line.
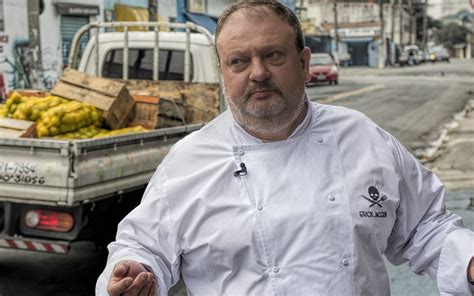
280 196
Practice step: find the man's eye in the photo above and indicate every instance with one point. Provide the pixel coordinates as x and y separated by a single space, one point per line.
275 57
236 62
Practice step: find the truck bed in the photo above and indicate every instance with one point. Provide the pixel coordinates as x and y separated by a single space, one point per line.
67 173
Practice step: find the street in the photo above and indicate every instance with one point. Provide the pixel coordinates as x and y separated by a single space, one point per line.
412 103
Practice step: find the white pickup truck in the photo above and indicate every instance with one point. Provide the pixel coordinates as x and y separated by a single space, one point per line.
54 192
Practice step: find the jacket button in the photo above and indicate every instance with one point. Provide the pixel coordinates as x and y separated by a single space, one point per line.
320 140
276 269
241 152
259 207
331 197
345 262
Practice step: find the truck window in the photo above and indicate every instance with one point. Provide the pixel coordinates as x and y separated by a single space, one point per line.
140 64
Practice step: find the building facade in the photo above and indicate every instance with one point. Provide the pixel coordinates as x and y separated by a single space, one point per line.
359 29
36 36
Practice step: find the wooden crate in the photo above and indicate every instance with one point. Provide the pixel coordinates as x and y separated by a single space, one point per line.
200 101
29 93
145 112
105 94
16 128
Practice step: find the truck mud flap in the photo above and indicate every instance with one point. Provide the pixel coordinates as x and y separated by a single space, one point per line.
57 247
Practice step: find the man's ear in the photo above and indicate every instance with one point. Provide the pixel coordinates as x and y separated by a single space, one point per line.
305 57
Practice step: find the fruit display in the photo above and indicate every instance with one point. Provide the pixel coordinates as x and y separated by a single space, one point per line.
34 107
86 132
67 117
12 104
61 118
121 131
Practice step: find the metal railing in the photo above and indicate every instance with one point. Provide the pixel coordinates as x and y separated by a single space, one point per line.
187 27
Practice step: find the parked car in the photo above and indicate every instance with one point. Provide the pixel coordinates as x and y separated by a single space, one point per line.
438 54
323 68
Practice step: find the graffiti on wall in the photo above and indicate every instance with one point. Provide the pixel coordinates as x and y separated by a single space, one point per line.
51 67
16 64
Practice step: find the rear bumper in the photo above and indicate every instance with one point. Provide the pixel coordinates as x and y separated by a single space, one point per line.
47 246
326 78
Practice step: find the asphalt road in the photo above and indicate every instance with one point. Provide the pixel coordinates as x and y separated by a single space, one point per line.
411 103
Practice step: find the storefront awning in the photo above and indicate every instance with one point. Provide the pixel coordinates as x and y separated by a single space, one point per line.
202 20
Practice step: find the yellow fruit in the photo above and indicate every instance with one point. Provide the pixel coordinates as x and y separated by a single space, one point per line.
54 121
54 131
42 131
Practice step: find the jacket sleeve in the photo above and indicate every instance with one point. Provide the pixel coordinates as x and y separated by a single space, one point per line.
426 234
146 236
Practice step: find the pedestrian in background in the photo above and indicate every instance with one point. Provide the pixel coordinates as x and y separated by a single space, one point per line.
281 196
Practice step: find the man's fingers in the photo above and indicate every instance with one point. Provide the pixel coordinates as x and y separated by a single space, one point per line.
121 269
141 282
146 290
117 288
154 287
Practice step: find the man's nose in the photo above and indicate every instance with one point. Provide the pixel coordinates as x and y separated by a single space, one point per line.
259 71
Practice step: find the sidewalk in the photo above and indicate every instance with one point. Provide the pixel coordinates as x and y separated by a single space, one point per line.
454 161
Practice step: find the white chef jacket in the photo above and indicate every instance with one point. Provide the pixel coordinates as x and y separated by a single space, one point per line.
300 220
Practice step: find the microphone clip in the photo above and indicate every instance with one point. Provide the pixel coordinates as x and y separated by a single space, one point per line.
242 171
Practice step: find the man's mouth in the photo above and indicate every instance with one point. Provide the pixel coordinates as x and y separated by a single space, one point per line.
261 93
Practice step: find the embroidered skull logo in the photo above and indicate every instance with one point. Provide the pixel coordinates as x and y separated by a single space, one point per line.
375 198
373 193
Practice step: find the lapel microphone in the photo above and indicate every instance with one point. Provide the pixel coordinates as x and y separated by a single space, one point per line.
242 171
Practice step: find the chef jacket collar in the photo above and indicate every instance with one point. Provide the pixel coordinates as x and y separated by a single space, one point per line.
244 138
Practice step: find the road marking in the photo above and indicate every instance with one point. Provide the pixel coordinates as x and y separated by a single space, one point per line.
352 93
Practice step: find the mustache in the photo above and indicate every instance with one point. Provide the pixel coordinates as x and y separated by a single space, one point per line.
259 86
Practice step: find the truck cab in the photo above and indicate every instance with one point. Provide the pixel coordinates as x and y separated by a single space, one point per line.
140 56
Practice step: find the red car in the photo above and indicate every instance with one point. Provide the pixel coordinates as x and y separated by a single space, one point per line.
323 69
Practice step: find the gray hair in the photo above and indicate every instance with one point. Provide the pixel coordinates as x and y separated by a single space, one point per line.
257 7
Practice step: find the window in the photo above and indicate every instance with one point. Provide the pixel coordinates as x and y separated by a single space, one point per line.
140 64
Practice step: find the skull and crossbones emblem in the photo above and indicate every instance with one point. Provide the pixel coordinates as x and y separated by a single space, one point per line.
374 197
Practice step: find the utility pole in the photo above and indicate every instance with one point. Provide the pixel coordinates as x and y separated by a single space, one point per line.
336 35
382 48
425 26
392 25
392 32
401 10
410 22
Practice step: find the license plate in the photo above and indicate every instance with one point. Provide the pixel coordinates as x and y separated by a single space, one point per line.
321 77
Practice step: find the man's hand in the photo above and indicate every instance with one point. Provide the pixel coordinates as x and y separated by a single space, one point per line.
131 278
470 271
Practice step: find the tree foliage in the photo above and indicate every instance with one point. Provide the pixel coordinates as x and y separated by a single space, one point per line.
450 34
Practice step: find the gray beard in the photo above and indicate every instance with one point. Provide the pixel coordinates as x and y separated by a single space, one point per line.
270 121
